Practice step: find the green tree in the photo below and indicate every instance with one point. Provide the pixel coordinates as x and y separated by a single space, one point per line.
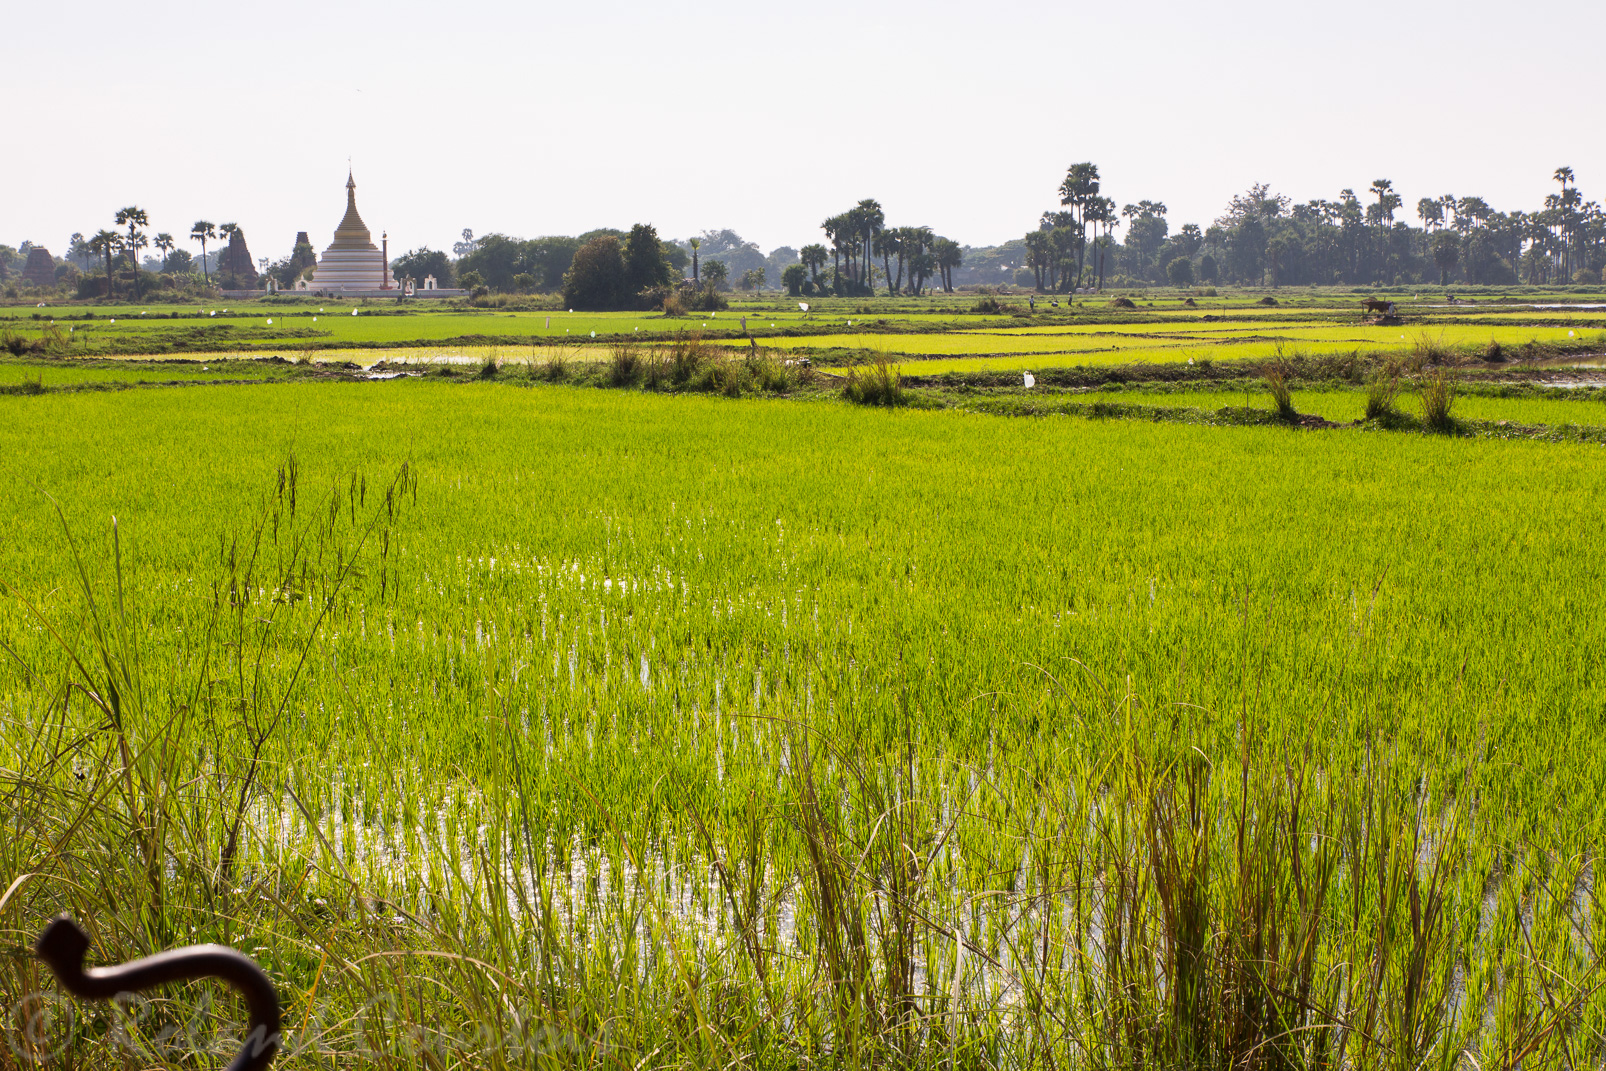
419 264
548 259
645 266
1188 240
596 280
838 231
1207 268
1446 252
793 278
752 279
886 246
203 232
716 273
133 217
1180 272
107 244
813 257
696 276
870 221
1146 231
948 256
677 259
497 258
164 245
1077 192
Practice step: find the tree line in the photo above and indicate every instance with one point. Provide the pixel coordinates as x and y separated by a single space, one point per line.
1261 239
1266 239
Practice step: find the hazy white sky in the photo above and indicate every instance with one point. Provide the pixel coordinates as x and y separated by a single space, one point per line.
539 119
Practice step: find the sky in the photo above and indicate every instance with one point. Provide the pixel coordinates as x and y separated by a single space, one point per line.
532 118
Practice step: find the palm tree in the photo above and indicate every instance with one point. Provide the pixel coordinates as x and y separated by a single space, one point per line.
835 230
696 278
949 257
813 257
164 246
203 232
134 217
1078 191
107 243
886 244
1563 175
871 221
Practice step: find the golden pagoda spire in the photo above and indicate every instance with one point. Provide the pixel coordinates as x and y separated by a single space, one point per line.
352 226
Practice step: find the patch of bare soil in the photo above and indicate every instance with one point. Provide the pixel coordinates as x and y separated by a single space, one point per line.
1310 420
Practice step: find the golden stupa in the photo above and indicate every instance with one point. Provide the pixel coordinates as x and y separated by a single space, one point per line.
352 261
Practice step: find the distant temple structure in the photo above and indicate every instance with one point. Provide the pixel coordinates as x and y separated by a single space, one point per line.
236 262
351 267
41 268
351 262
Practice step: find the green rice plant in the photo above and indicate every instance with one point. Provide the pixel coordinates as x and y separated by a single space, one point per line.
880 383
700 760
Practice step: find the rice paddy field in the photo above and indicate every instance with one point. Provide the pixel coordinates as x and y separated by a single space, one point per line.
521 718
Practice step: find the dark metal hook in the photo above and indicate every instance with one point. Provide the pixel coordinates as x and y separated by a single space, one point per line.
63 945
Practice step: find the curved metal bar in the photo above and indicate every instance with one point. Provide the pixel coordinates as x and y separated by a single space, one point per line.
63 945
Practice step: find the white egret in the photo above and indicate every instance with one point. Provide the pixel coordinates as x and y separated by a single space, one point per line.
1031 380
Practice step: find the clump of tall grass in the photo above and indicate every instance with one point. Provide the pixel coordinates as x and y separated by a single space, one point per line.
687 356
556 367
1430 349
771 374
1382 389
624 365
880 383
1278 376
1438 398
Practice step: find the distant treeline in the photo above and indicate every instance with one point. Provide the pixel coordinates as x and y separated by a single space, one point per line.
1262 239
1265 239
